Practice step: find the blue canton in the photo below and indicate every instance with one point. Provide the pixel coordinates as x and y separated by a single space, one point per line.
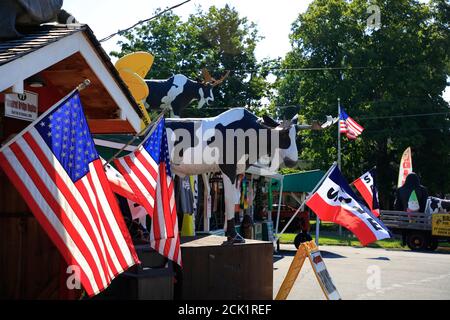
156 145
67 134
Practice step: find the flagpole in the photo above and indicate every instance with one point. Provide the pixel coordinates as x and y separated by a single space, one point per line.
303 203
339 147
134 139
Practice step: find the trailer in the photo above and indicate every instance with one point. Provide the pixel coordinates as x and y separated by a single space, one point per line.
419 231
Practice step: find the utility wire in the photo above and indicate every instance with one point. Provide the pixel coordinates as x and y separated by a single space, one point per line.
143 21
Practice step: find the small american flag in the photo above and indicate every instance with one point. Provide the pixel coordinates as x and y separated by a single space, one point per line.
54 165
147 171
349 126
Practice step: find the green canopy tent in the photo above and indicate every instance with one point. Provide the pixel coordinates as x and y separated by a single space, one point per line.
296 183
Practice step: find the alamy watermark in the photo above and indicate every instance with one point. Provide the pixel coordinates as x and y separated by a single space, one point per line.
374 19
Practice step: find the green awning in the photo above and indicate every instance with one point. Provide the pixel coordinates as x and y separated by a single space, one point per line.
299 182
108 144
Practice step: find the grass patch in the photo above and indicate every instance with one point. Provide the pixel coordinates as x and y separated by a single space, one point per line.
336 240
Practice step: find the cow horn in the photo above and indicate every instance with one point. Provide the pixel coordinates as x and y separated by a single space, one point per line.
217 82
206 76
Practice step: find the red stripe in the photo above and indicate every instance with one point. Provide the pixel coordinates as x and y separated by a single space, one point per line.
106 225
112 201
59 211
43 221
365 192
61 185
147 165
85 194
144 182
342 217
142 200
150 169
167 212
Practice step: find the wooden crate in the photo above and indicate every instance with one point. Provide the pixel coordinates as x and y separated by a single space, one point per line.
213 271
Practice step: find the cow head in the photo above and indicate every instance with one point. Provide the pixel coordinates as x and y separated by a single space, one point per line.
288 153
205 91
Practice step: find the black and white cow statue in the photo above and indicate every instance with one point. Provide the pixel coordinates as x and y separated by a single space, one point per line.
177 92
230 143
437 205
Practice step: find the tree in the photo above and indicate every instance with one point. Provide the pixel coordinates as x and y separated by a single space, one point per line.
218 39
387 79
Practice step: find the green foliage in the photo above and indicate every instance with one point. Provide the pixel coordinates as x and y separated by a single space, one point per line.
406 64
218 39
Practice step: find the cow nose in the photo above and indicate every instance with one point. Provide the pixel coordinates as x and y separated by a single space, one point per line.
289 163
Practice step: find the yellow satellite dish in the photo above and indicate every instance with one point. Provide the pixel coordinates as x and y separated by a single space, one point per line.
138 62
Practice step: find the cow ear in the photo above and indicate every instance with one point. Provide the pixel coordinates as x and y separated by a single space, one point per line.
270 122
206 76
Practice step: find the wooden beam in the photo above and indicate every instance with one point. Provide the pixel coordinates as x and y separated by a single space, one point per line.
103 126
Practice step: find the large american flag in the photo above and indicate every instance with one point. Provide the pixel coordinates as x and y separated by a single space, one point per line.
147 171
54 165
349 126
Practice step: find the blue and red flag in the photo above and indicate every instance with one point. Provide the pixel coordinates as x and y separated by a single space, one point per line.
367 187
336 202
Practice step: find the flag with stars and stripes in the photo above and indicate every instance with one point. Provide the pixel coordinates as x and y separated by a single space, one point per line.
147 171
349 126
54 165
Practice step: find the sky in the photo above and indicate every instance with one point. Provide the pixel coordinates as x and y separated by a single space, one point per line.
273 18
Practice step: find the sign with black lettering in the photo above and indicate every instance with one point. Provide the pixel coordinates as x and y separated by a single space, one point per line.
22 106
323 276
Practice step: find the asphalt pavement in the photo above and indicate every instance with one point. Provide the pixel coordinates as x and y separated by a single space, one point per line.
370 274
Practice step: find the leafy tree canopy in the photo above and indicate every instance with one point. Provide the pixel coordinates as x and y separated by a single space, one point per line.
218 39
384 77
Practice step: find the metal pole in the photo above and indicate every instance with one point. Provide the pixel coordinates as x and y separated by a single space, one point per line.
339 147
135 137
279 206
306 199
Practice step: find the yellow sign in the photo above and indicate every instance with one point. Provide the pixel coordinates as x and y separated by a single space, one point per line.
310 250
132 69
440 225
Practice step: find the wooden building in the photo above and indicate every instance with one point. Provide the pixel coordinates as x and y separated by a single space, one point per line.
50 61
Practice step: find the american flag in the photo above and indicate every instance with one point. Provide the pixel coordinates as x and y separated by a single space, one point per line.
54 165
349 126
147 171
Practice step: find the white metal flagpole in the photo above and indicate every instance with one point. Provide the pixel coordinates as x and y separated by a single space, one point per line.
339 146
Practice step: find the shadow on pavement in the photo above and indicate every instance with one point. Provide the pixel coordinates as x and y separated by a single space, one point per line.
380 258
290 253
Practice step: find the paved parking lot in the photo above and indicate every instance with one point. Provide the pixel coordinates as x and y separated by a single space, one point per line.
368 273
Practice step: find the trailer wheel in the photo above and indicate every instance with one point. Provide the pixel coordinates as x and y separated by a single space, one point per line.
433 244
300 238
417 241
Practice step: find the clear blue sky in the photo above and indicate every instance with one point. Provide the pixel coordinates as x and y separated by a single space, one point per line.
274 18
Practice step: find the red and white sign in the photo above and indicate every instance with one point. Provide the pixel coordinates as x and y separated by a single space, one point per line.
405 167
22 106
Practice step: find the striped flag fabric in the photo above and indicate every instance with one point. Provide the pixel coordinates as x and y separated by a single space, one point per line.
334 201
54 165
349 126
367 187
147 171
